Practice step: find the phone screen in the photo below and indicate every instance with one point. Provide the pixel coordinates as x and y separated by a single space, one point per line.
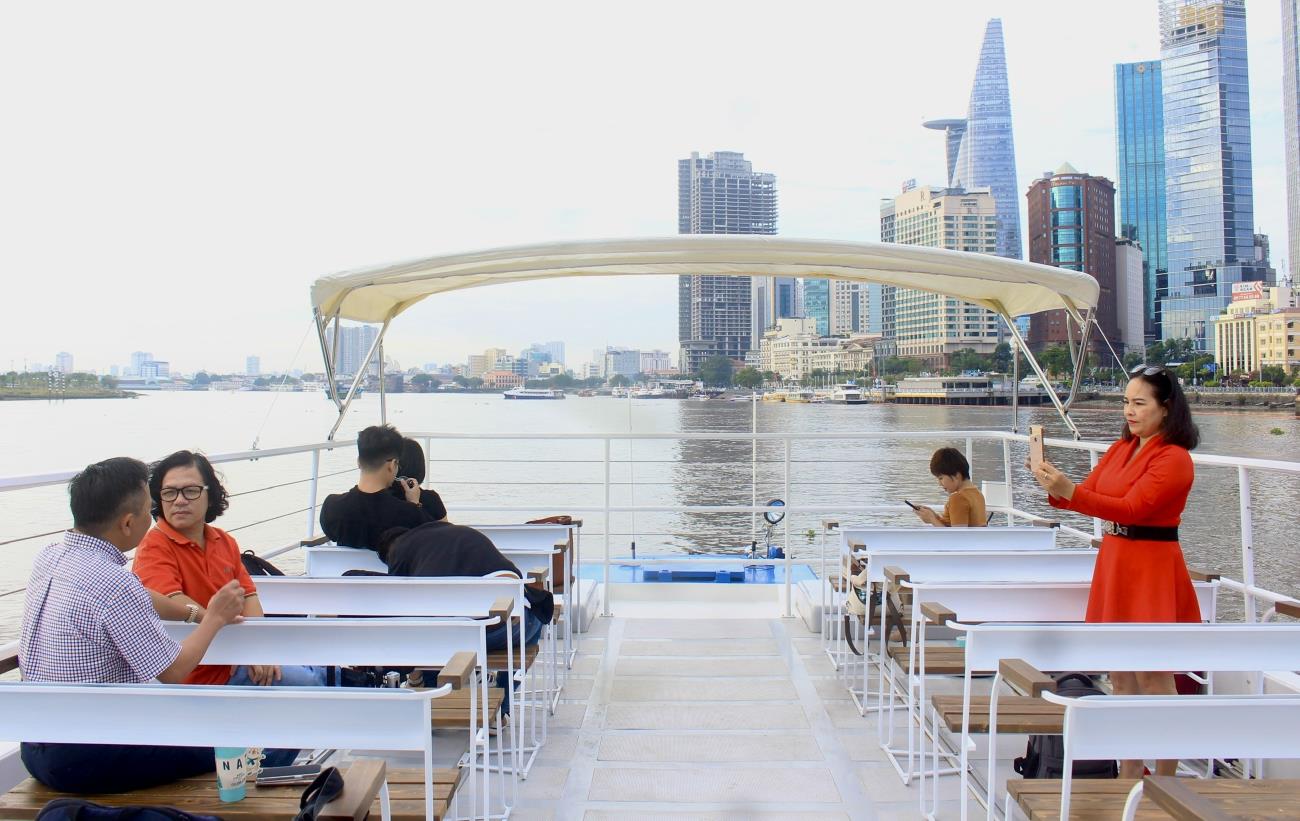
1035 446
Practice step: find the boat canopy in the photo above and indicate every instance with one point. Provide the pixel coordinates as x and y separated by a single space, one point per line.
1007 286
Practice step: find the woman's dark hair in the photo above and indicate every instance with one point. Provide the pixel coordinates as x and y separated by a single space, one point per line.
218 499
376 445
102 492
949 462
412 464
1178 428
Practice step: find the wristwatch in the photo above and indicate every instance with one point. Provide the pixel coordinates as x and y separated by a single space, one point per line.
193 614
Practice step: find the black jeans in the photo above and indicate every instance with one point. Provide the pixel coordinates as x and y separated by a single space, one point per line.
116 768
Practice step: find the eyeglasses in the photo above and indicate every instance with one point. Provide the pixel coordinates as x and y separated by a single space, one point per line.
191 492
1146 370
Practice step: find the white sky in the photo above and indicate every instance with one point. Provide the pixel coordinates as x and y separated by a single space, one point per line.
173 176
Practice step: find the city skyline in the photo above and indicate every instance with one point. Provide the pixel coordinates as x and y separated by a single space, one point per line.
284 194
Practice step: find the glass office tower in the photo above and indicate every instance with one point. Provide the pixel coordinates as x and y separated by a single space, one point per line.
1140 166
1209 199
817 303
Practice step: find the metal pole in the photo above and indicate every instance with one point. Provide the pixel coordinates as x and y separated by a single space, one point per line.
970 454
383 396
1096 523
428 460
311 494
1006 473
356 380
1015 387
788 612
604 607
1247 541
1047 384
753 466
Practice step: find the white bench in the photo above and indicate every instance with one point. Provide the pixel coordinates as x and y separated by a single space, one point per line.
1105 647
1165 727
187 716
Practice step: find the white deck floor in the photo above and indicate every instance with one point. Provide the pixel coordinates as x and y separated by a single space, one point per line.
733 719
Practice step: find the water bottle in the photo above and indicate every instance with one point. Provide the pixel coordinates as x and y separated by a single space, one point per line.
392 679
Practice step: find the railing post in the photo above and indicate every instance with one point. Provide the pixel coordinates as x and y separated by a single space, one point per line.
1247 541
428 460
970 454
311 494
788 565
1092 465
604 594
1006 475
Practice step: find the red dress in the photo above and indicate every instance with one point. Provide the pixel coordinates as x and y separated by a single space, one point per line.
1137 580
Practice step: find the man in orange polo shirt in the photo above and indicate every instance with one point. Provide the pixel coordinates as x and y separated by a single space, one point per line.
187 560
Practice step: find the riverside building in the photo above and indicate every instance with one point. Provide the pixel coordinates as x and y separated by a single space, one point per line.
719 194
1140 179
1209 195
1258 328
927 326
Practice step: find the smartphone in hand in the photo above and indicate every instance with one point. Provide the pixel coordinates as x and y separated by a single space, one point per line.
1035 446
912 506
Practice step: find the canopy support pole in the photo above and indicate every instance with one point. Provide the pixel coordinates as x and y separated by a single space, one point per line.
383 397
1080 356
326 356
1015 386
1047 385
356 380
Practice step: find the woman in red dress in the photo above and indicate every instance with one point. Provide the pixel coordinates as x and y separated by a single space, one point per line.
1140 488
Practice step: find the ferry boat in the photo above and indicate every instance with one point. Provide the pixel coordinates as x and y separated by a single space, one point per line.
722 685
534 393
848 393
990 389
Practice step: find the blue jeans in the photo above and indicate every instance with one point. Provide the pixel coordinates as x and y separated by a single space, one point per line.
496 640
117 768
289 677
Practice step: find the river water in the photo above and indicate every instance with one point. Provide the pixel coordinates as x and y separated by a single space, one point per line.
43 437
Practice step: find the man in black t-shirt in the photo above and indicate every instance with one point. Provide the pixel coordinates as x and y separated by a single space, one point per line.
358 517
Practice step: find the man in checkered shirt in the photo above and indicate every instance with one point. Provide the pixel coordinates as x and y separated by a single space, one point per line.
88 620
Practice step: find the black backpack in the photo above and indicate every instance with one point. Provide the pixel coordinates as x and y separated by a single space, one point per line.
1045 754
79 809
257 566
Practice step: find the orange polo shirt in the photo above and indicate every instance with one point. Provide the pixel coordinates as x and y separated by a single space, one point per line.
169 563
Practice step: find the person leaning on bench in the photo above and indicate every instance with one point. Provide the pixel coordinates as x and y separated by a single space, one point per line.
965 505
358 517
1140 488
188 560
89 620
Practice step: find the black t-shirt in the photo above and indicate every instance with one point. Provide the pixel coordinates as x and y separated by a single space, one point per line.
442 549
356 519
429 500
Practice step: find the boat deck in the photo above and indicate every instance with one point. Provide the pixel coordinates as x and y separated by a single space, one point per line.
722 718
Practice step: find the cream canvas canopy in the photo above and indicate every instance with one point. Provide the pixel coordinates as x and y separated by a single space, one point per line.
1007 287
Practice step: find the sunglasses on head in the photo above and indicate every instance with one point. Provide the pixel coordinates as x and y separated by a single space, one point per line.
1146 370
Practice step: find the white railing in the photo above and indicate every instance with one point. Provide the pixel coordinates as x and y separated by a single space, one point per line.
1245 467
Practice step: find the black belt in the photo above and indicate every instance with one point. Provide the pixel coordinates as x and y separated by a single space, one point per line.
1150 534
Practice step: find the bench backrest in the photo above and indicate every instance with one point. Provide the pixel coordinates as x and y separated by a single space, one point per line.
154 714
323 561
1135 647
1056 565
1027 601
343 642
387 596
523 538
949 538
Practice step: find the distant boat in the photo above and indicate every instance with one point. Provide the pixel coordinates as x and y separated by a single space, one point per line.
534 393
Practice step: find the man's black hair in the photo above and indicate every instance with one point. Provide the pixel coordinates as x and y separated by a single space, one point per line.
1178 428
412 464
106 490
218 499
949 462
376 445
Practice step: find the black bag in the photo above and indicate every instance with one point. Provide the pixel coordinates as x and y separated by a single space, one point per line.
79 809
324 789
257 566
1045 754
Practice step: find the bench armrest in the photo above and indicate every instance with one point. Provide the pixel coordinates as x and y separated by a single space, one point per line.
897 575
856 546
1199 575
829 524
459 671
1025 678
561 546
361 783
501 608
1288 608
936 613
1044 523
316 542
538 575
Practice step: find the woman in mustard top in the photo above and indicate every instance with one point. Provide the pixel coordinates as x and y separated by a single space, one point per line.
965 505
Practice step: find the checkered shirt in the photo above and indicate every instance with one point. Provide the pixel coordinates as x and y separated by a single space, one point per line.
88 620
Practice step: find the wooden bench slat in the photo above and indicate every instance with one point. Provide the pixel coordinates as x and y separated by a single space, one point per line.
1091 799
1016 714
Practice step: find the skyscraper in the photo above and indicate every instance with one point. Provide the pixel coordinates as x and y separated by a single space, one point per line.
1209 197
929 326
1072 225
817 303
1140 168
987 156
719 194
953 130
1291 118
354 343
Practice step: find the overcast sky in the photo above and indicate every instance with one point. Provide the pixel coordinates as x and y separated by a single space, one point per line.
175 175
